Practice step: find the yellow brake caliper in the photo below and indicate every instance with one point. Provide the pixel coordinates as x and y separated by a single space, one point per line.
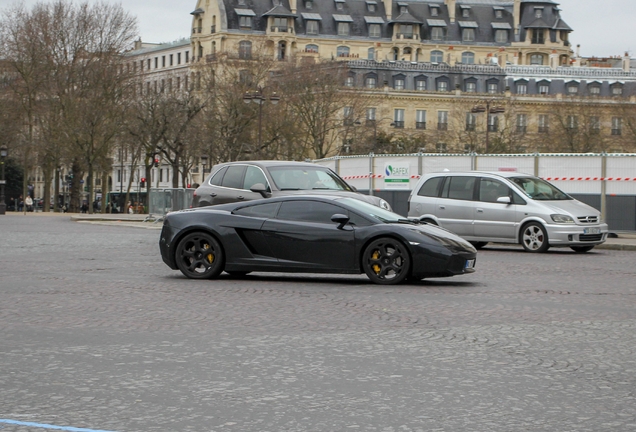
210 255
376 256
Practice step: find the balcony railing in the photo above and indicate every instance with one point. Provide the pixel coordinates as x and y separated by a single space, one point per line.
442 126
617 132
521 129
213 29
398 124
470 127
493 128
279 29
544 129
420 125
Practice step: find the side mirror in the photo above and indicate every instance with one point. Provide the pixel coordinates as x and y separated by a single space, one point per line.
340 219
261 189
504 200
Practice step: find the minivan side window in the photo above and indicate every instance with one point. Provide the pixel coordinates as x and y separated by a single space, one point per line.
431 187
234 177
490 190
460 187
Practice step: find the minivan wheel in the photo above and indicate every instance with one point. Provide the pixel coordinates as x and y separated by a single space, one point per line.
581 249
534 238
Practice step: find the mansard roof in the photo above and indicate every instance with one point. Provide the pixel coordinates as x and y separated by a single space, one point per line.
481 14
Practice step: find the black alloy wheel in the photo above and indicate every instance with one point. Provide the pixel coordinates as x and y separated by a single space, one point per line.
534 238
200 256
386 261
581 249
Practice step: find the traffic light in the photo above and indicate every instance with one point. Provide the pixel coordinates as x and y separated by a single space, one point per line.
142 183
156 162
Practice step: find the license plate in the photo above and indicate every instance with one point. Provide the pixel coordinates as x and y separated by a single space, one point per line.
591 231
470 264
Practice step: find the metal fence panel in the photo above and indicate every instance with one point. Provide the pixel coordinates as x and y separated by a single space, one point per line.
164 201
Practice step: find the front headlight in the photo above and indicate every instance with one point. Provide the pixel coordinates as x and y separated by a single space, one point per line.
385 205
564 219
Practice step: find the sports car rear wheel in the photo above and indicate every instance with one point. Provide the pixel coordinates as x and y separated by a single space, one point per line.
199 256
386 261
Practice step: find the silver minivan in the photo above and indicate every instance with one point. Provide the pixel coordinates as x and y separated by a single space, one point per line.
506 207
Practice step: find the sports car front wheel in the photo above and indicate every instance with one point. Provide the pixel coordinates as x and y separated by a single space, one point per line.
386 261
199 256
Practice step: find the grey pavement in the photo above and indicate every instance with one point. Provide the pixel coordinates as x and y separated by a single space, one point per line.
619 240
97 334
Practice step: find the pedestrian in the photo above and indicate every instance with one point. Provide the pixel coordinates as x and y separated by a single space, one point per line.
29 203
20 203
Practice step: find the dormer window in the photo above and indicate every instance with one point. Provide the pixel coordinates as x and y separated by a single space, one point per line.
465 11
340 4
241 2
538 12
308 4
434 11
372 6
498 13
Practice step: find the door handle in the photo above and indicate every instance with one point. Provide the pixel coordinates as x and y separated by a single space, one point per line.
240 197
442 207
480 210
213 195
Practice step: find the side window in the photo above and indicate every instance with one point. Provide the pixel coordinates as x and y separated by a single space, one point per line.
218 177
431 187
234 177
357 220
516 199
309 211
261 210
254 175
490 190
460 188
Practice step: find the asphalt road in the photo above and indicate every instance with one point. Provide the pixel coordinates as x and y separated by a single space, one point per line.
97 334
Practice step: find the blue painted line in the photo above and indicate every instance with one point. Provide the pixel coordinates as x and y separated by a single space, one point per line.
48 426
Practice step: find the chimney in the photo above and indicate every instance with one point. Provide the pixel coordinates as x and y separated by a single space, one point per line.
388 7
517 16
451 4
138 44
292 6
627 62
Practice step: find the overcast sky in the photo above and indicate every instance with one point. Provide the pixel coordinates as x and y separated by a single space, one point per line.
601 27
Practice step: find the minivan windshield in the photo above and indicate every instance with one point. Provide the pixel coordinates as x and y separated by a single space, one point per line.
539 189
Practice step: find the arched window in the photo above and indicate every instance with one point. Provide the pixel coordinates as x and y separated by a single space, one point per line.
342 51
311 48
536 59
468 58
245 50
437 56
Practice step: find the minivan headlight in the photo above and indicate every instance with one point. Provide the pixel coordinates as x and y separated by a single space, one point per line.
564 219
385 205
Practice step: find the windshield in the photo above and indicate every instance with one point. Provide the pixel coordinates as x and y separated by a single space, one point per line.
375 212
538 189
307 178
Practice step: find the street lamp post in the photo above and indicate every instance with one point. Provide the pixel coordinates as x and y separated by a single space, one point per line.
489 109
259 98
3 156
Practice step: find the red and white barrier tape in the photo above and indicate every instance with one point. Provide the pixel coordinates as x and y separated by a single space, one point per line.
589 178
415 177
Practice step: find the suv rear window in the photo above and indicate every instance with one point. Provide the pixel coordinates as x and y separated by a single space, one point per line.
431 187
